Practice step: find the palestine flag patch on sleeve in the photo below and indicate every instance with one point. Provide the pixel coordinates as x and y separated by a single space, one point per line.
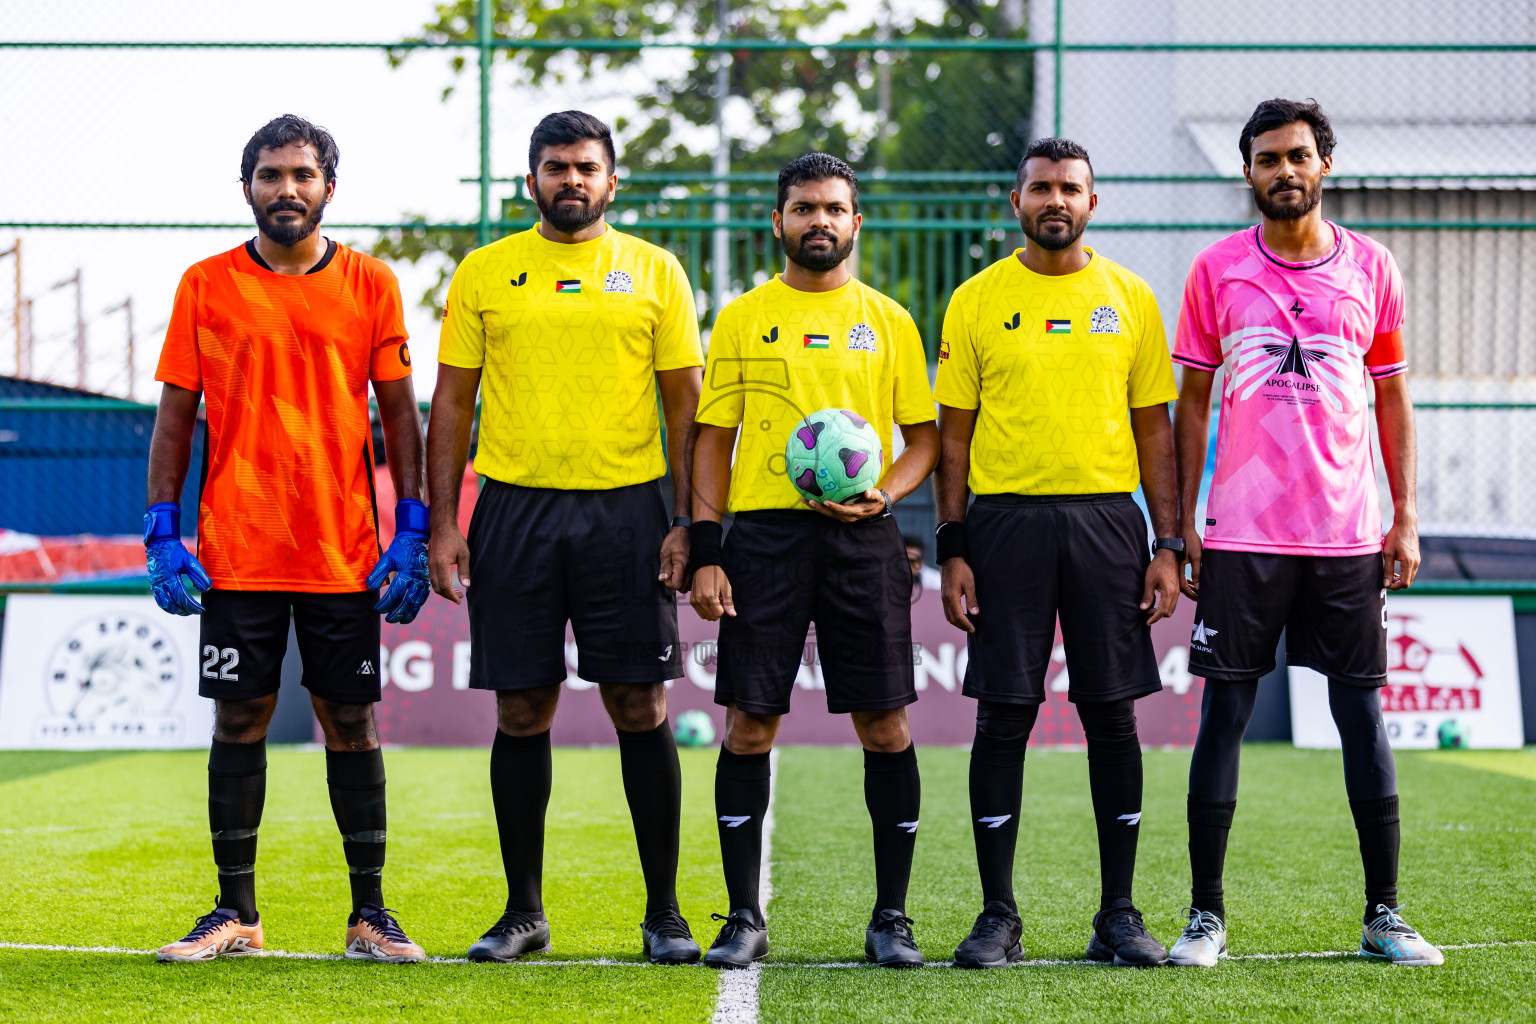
1058 327
568 286
818 341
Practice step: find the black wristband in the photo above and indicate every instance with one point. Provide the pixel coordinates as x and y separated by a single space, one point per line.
704 544
950 541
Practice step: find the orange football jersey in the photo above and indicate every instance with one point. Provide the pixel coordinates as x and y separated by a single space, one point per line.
283 363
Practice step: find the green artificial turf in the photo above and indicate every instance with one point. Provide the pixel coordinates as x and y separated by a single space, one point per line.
1293 884
113 851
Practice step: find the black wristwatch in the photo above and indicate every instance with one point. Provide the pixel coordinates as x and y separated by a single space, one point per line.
889 504
684 522
1174 544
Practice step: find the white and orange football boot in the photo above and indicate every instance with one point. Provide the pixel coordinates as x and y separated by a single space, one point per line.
374 934
220 933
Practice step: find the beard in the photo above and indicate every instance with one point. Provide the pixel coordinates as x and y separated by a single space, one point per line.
292 232
570 219
816 260
1053 235
1293 208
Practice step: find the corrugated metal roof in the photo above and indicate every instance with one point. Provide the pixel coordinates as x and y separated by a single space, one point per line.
1402 155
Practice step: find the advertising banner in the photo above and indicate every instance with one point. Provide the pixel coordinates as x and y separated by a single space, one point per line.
1452 678
84 673
427 699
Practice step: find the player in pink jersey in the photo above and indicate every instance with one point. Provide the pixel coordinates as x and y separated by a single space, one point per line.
1297 312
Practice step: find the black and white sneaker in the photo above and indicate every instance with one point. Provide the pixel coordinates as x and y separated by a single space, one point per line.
1120 937
666 938
888 941
742 939
994 938
517 933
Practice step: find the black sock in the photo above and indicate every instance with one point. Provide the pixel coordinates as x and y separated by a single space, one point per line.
356 779
1114 779
520 781
237 789
741 800
1210 823
997 788
893 793
1380 832
653 785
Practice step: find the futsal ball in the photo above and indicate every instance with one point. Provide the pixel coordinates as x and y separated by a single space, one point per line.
694 729
833 455
1453 735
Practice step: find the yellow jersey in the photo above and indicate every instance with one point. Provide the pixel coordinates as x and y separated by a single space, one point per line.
569 339
777 354
1053 364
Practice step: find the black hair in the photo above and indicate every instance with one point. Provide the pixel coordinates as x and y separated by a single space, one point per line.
815 167
288 130
1054 150
564 128
1277 113
912 540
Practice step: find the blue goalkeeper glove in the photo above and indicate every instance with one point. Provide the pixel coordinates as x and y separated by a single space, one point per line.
168 561
406 557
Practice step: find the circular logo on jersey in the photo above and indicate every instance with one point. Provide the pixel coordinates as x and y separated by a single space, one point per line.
405 354
618 281
113 667
861 338
1104 320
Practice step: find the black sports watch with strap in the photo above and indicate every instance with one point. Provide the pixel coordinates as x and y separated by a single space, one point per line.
682 521
1174 544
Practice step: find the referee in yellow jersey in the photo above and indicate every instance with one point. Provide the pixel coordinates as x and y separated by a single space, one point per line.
1053 384
567 330
812 338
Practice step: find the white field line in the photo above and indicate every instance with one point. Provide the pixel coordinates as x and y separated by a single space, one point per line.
737 1002
726 975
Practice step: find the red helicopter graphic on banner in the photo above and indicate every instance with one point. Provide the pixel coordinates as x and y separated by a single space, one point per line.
1425 678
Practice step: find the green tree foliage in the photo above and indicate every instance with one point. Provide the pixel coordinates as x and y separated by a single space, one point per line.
960 109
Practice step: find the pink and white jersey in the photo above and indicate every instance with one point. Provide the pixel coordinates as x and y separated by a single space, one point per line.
1294 473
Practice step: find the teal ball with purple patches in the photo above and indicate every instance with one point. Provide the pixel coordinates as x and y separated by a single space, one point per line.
833 455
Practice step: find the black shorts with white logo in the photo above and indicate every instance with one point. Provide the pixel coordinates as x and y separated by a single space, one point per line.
1333 610
244 635
540 557
1082 558
789 569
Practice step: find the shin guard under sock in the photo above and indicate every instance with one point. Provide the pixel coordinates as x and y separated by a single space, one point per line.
356 780
1210 823
237 789
521 776
996 789
653 786
1380 831
893 793
1114 779
741 800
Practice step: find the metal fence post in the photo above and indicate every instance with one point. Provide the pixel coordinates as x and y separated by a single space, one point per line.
485 10
1056 70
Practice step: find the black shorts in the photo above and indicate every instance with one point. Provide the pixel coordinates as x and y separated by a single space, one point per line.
788 569
541 557
1080 557
244 635
1333 610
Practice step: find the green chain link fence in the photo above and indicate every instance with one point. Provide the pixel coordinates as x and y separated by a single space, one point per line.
124 131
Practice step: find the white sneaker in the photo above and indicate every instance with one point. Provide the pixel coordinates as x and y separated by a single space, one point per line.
1388 937
1203 943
